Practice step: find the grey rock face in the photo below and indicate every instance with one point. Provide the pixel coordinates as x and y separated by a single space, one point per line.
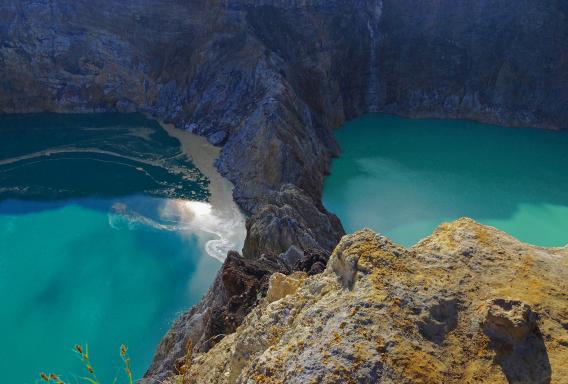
289 217
292 256
217 138
270 79
500 62
233 294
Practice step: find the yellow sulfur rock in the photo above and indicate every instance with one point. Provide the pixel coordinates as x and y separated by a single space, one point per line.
469 304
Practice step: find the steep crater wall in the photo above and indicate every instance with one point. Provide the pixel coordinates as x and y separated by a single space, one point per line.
268 81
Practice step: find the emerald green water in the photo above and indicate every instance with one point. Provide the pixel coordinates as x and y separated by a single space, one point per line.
104 226
404 177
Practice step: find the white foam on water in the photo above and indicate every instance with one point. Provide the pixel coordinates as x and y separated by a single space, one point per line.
228 225
220 218
189 218
223 218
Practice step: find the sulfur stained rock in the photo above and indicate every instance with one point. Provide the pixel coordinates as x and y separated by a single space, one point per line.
280 285
459 307
510 321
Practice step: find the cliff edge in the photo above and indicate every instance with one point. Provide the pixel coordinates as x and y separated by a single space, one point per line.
268 80
469 304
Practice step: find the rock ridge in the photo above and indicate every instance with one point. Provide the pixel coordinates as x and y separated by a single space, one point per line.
469 304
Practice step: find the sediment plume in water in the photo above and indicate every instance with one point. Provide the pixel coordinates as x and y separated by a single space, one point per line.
220 216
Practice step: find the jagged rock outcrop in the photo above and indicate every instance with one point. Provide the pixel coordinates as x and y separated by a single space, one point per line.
269 80
289 217
237 288
469 304
509 321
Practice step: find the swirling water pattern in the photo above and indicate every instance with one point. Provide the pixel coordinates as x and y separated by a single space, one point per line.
107 232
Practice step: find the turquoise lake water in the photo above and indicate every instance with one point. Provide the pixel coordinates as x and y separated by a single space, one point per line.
404 177
103 228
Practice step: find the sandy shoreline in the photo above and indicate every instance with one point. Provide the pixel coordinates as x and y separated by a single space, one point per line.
221 216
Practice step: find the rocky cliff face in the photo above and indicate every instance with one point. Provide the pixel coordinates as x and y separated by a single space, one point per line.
501 62
269 79
469 304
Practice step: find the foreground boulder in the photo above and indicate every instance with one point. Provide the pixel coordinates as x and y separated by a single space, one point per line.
509 321
468 304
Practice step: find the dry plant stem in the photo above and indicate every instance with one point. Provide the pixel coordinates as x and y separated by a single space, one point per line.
84 356
52 378
126 360
182 376
188 357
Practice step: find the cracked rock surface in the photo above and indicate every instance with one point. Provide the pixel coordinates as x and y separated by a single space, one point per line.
432 313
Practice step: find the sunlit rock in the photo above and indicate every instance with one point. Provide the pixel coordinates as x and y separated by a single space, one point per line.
427 314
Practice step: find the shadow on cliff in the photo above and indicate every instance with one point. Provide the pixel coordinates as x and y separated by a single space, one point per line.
526 361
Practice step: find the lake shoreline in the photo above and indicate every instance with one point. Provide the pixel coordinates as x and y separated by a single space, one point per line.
430 171
92 262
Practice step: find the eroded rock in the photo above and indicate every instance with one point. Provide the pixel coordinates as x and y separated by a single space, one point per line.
509 321
280 285
237 287
384 314
440 318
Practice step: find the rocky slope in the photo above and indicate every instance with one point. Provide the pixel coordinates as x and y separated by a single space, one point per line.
501 62
469 304
269 79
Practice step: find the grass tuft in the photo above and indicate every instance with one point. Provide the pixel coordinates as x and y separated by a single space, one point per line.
92 376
